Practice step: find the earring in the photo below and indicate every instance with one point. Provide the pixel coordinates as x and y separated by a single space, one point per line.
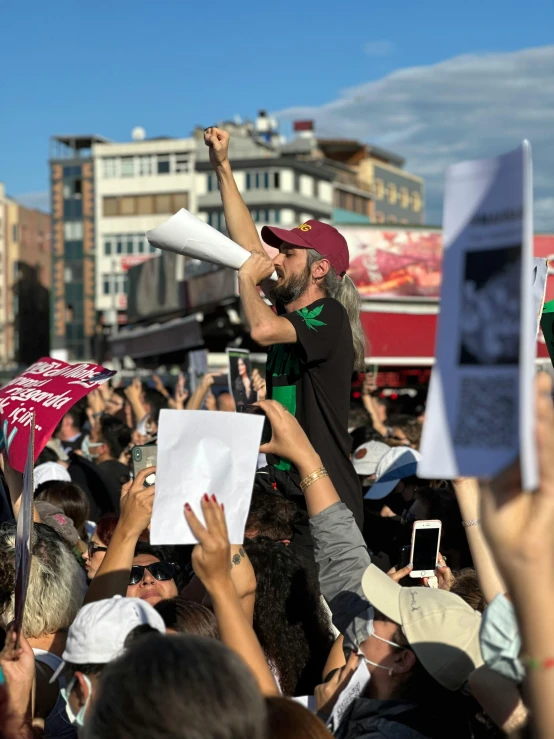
391 672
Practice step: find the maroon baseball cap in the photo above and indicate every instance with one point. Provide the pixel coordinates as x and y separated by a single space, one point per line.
325 239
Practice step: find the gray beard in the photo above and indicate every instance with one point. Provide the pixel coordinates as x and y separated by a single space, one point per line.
291 290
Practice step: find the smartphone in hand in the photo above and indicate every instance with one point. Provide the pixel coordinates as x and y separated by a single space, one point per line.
426 537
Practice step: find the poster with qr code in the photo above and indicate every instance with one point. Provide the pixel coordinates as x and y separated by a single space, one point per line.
480 411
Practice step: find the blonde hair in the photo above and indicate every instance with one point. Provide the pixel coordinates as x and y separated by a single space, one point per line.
344 290
57 584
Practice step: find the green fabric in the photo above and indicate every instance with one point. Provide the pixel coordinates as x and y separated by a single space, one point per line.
547 326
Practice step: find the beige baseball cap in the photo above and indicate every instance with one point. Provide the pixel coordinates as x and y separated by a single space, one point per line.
441 628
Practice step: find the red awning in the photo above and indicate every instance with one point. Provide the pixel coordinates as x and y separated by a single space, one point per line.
407 338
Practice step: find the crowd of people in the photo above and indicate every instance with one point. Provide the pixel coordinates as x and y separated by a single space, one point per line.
312 627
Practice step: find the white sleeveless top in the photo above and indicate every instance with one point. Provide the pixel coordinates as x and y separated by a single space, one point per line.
56 724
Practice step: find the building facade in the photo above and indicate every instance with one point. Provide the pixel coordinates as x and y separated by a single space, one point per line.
73 314
397 195
138 186
25 279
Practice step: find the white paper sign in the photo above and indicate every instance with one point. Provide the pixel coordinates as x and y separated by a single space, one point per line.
480 413
186 234
204 452
355 688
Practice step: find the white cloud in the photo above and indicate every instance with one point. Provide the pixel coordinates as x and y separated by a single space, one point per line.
378 48
38 200
467 107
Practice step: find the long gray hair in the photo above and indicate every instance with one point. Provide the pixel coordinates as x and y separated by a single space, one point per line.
344 290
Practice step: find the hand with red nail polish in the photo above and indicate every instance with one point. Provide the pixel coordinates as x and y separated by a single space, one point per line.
211 558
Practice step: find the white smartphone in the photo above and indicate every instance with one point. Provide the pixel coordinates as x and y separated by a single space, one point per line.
426 536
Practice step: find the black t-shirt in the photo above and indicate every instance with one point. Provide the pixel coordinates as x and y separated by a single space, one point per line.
312 380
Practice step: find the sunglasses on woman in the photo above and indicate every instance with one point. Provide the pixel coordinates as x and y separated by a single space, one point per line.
93 548
159 570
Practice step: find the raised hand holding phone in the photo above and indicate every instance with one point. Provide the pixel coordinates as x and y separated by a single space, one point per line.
426 537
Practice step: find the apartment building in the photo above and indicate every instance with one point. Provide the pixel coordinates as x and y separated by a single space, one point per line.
138 186
73 315
25 279
105 195
398 196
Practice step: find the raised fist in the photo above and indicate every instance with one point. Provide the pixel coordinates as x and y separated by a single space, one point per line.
217 141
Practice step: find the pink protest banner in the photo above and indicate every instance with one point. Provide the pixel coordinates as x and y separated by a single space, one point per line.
48 389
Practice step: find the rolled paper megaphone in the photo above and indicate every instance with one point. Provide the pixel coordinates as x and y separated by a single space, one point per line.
186 234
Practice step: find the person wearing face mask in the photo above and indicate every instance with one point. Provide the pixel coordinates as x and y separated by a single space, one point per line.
100 633
420 645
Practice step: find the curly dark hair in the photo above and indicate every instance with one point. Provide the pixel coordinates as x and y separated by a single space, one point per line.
289 617
271 515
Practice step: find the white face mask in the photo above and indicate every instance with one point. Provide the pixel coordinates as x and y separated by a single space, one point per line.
79 719
371 633
86 448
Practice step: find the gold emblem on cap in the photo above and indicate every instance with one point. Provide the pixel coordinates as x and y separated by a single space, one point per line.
304 227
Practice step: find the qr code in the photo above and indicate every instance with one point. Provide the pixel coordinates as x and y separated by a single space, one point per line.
487 414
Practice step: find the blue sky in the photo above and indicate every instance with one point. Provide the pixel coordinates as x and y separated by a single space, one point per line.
105 67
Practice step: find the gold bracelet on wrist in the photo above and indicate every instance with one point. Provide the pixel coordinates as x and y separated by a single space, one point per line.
310 479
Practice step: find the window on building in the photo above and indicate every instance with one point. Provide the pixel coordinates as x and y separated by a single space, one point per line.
248 181
266 180
73 230
110 207
145 166
416 201
163 203
73 249
127 205
180 200
109 167
379 189
210 182
129 244
107 247
106 285
141 245
392 194
72 171
277 180
145 204
182 163
14 232
66 191
127 167
163 164
404 197
296 182
379 217
119 244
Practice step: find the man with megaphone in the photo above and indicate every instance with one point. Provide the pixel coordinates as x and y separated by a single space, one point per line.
315 339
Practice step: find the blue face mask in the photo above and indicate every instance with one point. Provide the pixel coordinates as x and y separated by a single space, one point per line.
79 719
500 639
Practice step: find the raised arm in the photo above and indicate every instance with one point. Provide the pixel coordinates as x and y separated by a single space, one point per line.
211 562
518 527
112 577
240 225
490 580
339 547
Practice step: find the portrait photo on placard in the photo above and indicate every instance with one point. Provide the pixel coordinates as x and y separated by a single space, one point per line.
240 378
490 307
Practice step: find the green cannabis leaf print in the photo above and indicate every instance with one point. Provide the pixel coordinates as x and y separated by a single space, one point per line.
310 317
